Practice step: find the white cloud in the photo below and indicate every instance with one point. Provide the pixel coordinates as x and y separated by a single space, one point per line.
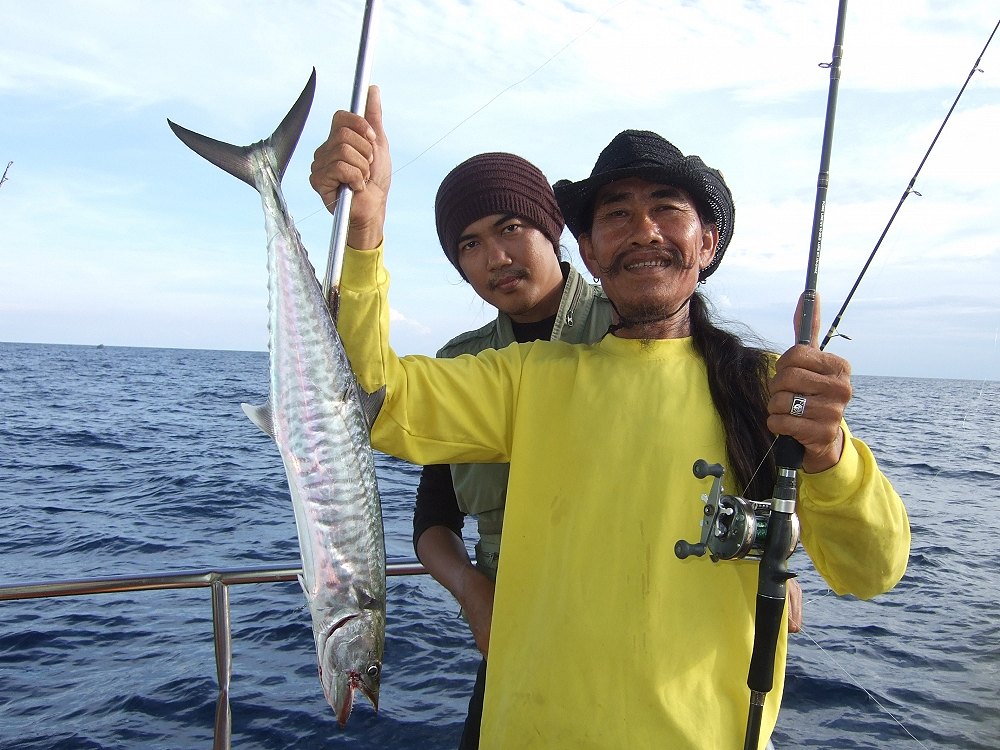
398 318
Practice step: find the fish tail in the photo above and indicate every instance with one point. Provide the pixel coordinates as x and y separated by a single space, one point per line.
238 160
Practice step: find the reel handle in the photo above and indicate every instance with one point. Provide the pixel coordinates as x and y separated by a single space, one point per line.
683 549
703 468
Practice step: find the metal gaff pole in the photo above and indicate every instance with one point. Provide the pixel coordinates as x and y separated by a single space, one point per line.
773 571
342 212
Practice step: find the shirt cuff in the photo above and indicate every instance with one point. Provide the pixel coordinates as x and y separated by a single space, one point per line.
841 480
363 269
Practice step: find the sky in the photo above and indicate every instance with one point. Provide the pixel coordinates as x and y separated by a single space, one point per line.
112 232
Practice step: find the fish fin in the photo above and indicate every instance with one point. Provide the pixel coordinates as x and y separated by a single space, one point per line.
260 416
286 135
237 159
234 159
371 404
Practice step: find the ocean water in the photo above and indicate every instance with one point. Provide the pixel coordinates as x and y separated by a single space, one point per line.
123 461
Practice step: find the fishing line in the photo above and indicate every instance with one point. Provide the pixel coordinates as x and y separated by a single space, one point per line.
906 193
832 659
762 462
862 688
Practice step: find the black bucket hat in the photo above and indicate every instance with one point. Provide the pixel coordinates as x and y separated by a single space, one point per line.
643 154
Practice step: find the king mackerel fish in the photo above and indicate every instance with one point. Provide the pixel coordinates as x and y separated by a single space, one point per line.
321 421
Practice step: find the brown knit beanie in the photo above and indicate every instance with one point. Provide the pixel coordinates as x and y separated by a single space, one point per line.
494 183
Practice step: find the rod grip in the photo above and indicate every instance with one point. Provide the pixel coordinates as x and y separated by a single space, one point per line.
788 452
770 611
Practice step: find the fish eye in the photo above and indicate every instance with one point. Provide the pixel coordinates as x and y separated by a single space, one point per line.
373 671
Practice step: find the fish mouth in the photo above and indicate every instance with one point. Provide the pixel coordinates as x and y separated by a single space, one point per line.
347 696
354 681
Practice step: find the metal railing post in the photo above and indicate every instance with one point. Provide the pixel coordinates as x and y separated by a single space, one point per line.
223 663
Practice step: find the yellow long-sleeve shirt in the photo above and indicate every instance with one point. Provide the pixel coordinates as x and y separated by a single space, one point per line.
601 637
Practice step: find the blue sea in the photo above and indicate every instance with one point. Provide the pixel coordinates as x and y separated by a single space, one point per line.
127 461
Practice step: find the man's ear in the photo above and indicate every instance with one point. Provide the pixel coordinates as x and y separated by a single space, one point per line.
587 254
710 242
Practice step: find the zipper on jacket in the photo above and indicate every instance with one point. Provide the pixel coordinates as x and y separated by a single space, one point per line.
572 305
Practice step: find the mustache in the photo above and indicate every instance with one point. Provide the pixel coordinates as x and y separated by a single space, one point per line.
667 253
500 277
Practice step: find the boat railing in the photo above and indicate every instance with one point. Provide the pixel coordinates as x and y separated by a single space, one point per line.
219 581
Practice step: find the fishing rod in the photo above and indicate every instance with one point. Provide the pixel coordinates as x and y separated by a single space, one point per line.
735 527
773 572
906 194
342 212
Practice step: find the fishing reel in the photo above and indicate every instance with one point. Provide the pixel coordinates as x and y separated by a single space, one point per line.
733 527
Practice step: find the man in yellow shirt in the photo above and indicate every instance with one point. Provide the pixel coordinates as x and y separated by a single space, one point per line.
601 636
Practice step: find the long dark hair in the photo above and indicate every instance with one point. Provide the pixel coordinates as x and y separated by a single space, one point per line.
737 380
